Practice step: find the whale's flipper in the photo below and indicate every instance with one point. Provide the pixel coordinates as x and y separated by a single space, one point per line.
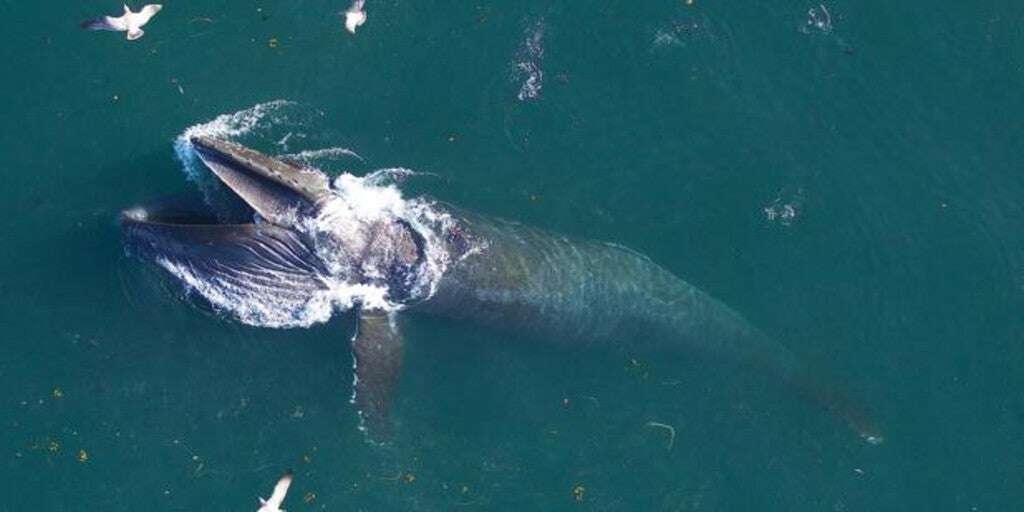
377 361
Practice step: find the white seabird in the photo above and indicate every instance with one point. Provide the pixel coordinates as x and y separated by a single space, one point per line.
280 490
355 16
130 22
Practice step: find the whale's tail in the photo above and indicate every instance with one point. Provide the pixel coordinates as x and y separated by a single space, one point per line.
708 325
839 403
776 360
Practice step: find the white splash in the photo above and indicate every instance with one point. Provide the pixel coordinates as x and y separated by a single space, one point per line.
225 126
785 208
818 18
358 205
664 38
259 117
392 176
314 156
528 65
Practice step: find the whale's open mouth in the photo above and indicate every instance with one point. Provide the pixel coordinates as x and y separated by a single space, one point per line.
299 250
276 193
274 189
263 258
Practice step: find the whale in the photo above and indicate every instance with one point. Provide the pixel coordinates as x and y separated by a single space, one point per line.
311 246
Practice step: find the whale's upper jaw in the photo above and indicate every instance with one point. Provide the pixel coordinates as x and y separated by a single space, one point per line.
276 190
271 254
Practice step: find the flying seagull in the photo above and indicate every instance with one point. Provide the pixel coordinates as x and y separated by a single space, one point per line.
274 503
130 22
355 16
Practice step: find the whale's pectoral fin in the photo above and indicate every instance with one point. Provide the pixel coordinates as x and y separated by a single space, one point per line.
377 355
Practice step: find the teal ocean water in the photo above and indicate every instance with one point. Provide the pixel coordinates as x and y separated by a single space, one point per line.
847 176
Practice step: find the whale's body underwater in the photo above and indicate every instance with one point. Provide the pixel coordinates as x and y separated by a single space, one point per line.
308 244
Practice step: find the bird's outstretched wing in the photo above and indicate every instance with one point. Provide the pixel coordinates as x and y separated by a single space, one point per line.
105 23
355 16
148 12
280 490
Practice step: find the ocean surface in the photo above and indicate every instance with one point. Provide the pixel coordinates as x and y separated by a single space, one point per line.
845 175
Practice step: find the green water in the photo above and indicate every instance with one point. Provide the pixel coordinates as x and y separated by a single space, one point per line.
854 192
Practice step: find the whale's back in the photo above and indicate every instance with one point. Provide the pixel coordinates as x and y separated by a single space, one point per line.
576 290
551 287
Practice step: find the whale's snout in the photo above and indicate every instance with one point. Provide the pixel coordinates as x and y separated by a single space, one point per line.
273 188
136 214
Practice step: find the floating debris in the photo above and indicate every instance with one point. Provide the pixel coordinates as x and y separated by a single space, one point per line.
637 369
181 90
671 432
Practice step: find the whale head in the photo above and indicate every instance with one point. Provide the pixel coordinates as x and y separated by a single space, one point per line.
295 258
